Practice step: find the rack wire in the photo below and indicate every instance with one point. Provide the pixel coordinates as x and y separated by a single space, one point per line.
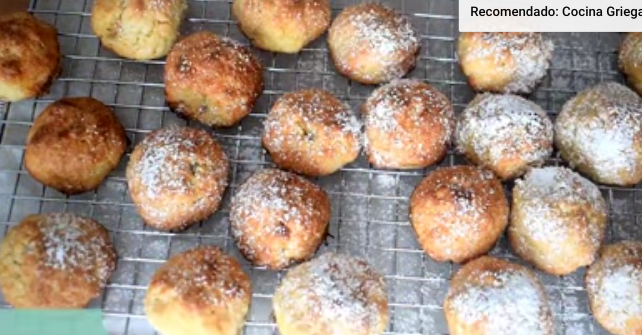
369 206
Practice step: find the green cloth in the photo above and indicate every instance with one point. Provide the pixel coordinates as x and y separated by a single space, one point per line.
51 322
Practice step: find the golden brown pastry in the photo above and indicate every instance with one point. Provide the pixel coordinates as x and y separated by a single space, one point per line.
311 132
212 80
504 62
55 260
29 58
278 218
599 133
282 25
74 144
558 220
630 59
490 296
199 292
614 288
408 125
504 133
372 44
458 213
177 177
332 294
138 29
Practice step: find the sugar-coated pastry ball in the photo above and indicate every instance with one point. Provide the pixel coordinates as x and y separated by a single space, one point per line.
282 25
279 218
29 58
201 291
211 79
138 29
312 133
630 59
332 294
74 144
504 62
614 287
458 213
177 177
55 261
504 133
372 44
490 296
599 132
558 220
408 125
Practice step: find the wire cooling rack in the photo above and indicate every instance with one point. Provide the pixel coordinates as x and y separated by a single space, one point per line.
369 206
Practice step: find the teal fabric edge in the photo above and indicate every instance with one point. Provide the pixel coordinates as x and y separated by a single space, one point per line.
51 322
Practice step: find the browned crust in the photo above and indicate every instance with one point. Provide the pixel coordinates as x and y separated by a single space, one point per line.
27 281
30 58
455 198
213 80
74 144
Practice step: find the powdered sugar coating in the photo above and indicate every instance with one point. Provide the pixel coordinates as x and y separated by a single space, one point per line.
600 132
505 133
333 294
371 43
519 59
408 118
499 300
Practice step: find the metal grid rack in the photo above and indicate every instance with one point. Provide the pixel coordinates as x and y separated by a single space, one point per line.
369 206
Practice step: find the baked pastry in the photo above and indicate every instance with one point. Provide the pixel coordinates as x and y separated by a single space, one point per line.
55 260
372 44
458 213
311 132
558 220
504 62
408 125
201 291
614 288
282 25
74 144
138 29
630 59
504 133
30 56
177 177
490 296
599 133
278 218
212 80
331 294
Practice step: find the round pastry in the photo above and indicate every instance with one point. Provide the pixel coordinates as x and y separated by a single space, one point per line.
74 144
177 177
138 29
199 292
614 288
408 125
371 44
458 213
504 133
282 25
278 218
212 80
630 59
599 132
558 220
332 294
55 260
311 132
30 56
490 296
504 62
